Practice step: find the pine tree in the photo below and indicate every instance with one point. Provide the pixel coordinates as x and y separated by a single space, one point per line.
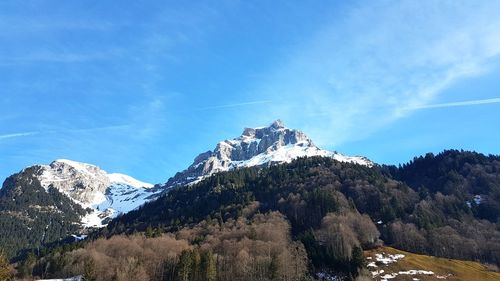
209 266
358 260
89 270
185 265
149 232
273 268
157 232
5 270
26 267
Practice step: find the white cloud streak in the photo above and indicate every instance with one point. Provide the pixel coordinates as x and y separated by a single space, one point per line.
454 104
234 105
63 131
94 129
63 57
17 135
362 71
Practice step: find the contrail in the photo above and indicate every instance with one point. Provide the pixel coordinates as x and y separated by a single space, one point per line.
25 134
111 127
234 104
16 135
460 103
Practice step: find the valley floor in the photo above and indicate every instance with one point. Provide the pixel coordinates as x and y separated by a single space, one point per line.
386 263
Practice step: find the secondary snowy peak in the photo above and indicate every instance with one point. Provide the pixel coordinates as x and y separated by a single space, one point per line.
256 147
82 182
122 179
106 195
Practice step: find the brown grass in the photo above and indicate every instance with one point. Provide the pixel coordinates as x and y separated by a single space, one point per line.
459 270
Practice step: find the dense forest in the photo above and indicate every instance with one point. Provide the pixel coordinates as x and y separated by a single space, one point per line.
256 248
445 205
32 218
290 221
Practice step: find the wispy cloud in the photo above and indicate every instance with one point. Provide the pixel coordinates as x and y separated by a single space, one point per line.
95 129
17 135
61 57
230 105
453 104
362 71
65 131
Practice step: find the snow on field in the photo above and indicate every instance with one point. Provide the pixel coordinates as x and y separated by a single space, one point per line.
76 278
377 273
384 260
409 272
326 276
388 259
443 276
79 237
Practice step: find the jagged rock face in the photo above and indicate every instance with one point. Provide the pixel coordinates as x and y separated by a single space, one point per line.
43 204
104 195
82 182
32 216
255 147
260 140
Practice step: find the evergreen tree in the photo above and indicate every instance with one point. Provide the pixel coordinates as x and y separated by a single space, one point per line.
89 270
358 260
26 267
149 232
5 270
185 265
273 268
209 266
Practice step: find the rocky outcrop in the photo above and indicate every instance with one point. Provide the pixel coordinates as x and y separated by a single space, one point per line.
82 182
102 195
256 147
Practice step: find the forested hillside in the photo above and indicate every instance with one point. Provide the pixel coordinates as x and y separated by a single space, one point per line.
317 212
32 217
454 215
468 176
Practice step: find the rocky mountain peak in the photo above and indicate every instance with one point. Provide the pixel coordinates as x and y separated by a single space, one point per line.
64 165
90 187
277 124
255 147
83 182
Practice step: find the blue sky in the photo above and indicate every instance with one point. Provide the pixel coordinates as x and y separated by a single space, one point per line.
142 87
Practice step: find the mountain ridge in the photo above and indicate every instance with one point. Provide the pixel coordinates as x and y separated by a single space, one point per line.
106 195
260 146
96 197
95 189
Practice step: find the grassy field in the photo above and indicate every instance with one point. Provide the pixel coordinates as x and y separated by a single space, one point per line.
443 268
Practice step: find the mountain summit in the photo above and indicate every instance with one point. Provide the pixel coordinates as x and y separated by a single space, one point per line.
103 195
46 203
259 146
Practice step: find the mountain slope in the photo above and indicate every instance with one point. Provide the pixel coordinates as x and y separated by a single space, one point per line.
45 203
327 211
108 195
414 218
386 263
32 216
256 147
472 177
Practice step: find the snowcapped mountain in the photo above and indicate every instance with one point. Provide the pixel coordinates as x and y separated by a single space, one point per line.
256 147
46 204
104 195
97 196
43 204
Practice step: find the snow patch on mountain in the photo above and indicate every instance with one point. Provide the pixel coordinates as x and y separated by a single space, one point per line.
259 146
106 195
127 180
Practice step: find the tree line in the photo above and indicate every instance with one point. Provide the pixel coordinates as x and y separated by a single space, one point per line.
316 214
